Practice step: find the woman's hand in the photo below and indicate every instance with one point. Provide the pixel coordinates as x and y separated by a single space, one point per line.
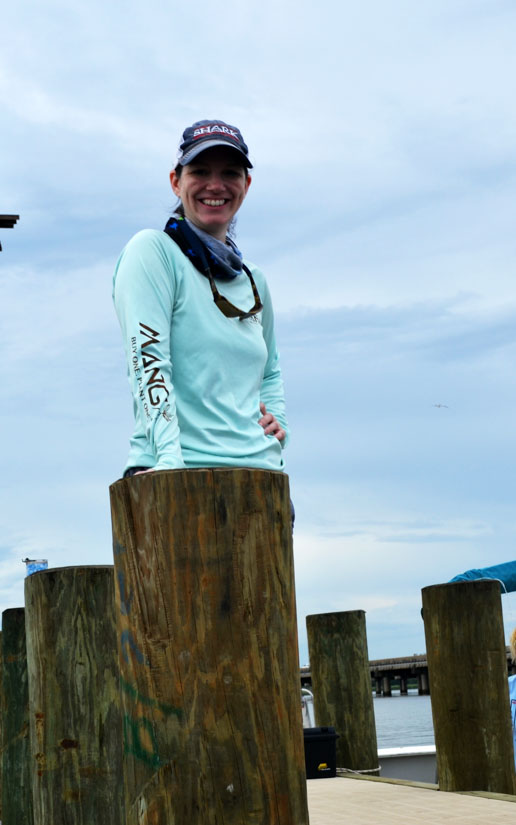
270 424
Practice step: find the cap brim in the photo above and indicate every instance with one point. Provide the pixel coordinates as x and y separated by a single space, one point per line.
210 144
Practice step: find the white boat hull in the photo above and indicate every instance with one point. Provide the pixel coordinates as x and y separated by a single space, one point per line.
417 763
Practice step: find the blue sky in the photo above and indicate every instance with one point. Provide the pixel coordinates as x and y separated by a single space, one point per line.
381 210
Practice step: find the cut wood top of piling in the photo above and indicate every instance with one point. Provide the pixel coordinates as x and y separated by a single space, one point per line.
145 478
344 800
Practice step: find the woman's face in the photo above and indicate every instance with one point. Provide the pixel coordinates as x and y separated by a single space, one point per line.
212 188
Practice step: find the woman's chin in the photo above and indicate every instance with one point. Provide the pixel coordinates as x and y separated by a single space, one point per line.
213 224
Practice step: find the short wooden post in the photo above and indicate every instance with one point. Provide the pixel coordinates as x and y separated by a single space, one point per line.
74 701
343 697
468 681
2 713
208 648
16 757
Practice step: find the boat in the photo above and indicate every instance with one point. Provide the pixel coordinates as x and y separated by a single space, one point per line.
416 763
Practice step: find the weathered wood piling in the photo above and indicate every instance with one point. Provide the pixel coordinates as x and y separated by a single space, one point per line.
16 757
339 663
74 702
468 684
208 642
2 712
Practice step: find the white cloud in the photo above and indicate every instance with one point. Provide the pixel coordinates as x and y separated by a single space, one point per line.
381 211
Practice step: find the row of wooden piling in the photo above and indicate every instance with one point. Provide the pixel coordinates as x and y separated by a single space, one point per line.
62 760
165 690
467 668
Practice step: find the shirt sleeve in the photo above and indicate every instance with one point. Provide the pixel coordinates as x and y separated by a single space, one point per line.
144 291
272 393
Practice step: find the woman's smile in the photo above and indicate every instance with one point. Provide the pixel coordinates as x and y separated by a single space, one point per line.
212 188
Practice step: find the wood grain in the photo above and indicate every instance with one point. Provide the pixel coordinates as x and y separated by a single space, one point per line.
208 649
2 714
74 699
467 666
16 768
341 680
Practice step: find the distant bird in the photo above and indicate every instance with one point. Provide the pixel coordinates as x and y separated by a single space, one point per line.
441 405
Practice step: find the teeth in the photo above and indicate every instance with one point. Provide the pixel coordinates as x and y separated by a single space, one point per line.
213 202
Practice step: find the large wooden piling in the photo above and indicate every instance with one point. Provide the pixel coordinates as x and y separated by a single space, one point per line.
208 648
74 699
16 757
341 680
2 712
467 667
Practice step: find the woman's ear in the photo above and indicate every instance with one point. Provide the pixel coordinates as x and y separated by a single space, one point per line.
174 182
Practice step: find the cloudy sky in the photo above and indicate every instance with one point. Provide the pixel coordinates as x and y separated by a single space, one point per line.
382 212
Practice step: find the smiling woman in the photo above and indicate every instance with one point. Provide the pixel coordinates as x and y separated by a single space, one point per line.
198 324
212 188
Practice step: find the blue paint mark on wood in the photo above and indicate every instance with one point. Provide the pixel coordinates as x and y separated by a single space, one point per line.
126 600
126 638
118 548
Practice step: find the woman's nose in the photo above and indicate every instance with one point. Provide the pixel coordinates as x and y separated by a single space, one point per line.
215 182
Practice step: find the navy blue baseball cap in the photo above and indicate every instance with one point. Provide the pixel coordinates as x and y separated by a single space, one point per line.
204 134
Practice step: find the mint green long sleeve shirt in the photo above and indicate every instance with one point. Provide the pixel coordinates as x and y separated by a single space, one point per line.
197 377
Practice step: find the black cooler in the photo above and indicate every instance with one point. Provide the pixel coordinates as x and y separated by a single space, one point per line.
320 752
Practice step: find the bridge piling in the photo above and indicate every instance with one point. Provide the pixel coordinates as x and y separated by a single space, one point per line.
423 687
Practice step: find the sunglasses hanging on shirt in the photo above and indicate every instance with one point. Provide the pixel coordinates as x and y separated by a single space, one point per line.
192 246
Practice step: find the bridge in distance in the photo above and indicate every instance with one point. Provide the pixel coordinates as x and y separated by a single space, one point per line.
389 673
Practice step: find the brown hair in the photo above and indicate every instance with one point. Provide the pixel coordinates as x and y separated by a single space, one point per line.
512 643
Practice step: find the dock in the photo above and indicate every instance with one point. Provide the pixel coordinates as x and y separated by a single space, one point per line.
352 800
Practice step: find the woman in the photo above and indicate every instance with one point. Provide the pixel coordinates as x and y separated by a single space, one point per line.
512 692
198 324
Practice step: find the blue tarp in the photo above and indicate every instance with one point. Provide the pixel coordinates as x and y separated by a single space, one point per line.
505 573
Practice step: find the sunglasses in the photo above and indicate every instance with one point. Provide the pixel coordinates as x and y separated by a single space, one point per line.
226 307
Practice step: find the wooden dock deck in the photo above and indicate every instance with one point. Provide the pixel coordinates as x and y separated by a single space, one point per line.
369 801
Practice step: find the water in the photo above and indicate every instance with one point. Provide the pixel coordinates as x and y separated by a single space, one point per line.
403 720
